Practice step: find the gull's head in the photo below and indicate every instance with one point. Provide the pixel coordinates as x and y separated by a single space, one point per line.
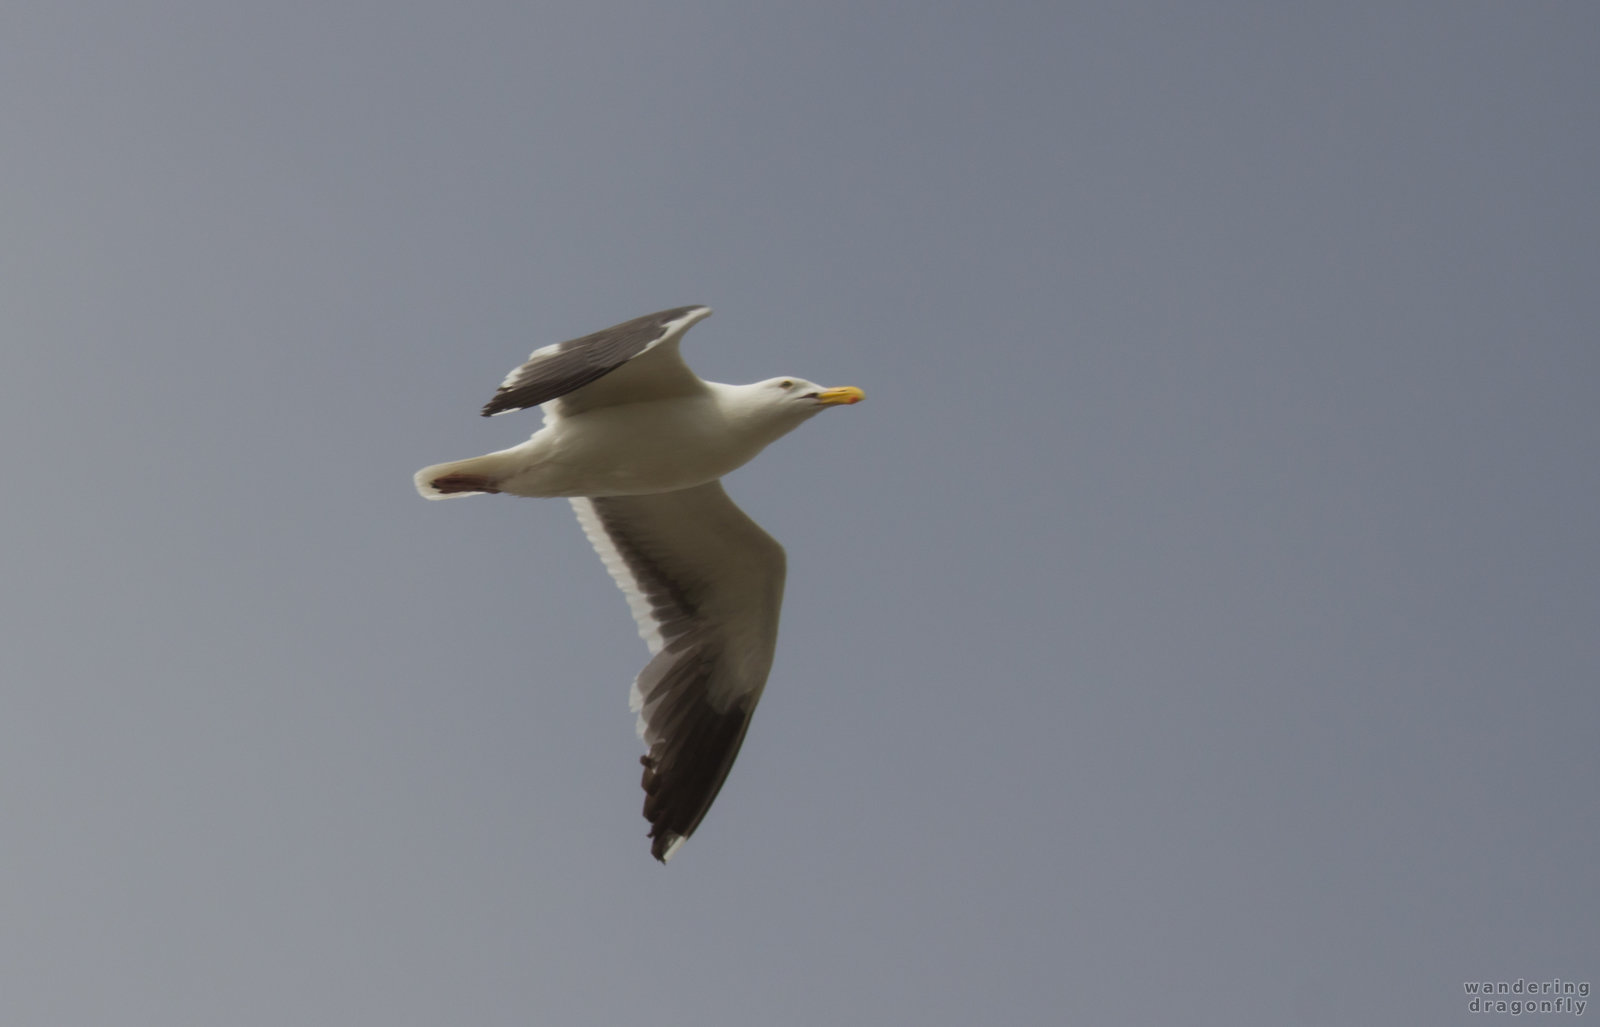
799 394
777 406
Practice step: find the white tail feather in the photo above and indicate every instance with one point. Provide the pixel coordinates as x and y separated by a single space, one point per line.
490 470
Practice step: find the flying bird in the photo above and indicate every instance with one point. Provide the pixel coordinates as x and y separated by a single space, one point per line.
638 443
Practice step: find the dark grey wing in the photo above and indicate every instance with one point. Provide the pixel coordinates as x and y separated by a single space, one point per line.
705 584
580 364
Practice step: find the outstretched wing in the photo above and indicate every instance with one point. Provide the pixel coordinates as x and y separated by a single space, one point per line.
705 584
626 363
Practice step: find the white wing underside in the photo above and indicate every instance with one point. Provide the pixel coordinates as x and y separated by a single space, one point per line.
692 565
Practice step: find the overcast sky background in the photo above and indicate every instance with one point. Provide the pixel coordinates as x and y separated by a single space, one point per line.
1199 623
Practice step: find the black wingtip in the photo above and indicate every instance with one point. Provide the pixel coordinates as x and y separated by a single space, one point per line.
664 844
502 403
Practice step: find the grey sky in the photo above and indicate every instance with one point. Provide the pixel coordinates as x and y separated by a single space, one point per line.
1197 623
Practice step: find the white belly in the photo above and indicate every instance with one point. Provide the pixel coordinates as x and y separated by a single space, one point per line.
629 450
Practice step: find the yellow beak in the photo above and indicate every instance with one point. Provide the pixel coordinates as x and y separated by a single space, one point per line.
846 394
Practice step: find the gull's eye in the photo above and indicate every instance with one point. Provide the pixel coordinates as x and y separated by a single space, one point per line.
786 384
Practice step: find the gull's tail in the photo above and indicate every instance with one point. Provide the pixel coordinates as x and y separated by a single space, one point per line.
472 477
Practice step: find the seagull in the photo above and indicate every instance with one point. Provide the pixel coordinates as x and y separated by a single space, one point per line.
638 443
